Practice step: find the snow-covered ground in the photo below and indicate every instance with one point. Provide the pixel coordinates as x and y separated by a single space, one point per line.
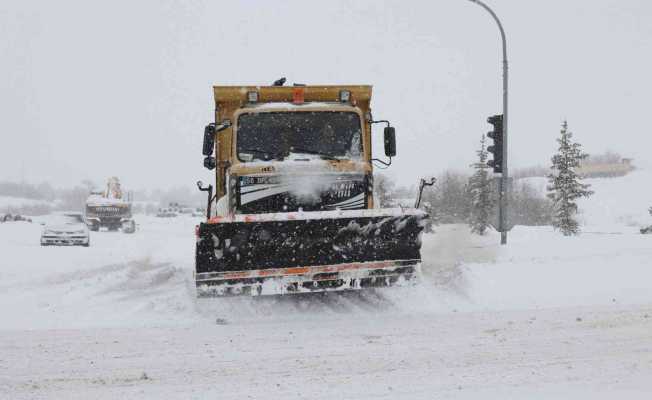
544 317
617 202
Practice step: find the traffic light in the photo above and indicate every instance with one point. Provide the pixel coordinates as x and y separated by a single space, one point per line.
497 149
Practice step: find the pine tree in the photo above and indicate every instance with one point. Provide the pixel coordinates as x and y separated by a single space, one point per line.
564 184
482 203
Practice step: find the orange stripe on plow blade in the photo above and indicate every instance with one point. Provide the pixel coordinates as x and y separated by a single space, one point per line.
294 271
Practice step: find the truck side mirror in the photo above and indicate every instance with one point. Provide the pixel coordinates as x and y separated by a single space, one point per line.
390 141
209 140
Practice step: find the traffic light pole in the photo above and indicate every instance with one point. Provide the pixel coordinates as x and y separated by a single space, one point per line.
503 193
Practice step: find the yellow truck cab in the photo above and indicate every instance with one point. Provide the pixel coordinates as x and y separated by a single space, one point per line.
321 133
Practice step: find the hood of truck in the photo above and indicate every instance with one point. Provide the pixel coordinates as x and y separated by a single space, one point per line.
300 166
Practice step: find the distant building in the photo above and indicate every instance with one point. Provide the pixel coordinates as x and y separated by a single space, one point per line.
605 169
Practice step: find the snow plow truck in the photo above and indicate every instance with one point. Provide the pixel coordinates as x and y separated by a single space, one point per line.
292 207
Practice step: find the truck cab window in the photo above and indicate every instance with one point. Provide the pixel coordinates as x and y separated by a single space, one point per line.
319 134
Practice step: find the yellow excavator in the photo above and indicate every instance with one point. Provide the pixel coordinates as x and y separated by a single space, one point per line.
292 207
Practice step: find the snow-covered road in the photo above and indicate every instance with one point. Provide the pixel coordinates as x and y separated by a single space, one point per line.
518 354
546 317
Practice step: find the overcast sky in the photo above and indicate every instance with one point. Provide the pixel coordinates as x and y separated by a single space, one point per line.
93 89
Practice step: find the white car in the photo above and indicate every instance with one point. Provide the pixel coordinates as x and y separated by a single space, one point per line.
66 229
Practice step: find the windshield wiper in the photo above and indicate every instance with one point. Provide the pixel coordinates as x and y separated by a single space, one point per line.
316 152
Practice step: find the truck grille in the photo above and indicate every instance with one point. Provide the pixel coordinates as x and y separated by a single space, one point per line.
107 211
264 194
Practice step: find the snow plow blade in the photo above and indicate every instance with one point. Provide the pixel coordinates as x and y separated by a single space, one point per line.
259 254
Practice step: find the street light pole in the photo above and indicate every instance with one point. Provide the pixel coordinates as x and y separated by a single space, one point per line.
503 193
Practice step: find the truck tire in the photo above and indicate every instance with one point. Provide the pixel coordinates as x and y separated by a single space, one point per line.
129 226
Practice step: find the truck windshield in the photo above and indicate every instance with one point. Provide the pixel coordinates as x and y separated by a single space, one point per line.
278 135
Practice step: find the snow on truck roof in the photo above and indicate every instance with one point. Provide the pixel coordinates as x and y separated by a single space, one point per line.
304 106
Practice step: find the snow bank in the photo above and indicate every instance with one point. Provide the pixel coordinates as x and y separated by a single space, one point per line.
18 202
619 202
542 269
146 279
120 280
